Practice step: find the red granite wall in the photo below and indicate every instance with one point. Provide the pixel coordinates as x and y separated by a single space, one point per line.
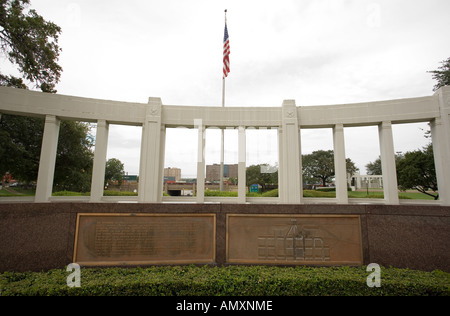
35 237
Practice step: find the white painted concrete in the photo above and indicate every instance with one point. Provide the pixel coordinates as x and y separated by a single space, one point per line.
98 171
154 117
48 159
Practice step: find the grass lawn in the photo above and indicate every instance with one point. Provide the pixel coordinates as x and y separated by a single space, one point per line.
274 193
17 192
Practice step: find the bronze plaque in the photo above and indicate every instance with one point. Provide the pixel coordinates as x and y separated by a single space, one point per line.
296 239
121 239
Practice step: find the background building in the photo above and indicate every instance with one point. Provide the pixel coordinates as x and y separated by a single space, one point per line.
213 172
172 173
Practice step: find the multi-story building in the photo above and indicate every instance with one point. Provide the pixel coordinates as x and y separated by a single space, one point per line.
172 173
213 172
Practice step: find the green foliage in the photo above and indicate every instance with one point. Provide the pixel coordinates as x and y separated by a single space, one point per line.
31 43
119 193
220 193
416 170
271 193
442 75
263 175
74 159
319 166
70 193
21 139
114 171
227 281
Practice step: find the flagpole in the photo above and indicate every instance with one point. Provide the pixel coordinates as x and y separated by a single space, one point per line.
222 147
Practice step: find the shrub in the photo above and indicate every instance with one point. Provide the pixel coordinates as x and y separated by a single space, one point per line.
271 193
228 281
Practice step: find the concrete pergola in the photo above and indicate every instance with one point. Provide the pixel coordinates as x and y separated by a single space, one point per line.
154 117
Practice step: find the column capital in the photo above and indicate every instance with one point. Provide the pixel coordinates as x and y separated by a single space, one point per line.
385 124
153 110
338 127
102 123
51 119
289 112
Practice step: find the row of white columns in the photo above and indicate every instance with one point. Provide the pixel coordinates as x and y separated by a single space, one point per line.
290 164
290 160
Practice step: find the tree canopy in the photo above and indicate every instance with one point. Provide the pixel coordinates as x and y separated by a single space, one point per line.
416 170
442 75
375 168
114 171
30 43
319 166
262 174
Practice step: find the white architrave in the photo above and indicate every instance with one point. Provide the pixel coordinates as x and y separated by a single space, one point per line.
48 159
289 118
98 171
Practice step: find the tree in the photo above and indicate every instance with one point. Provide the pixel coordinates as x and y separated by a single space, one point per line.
442 75
416 170
262 174
21 139
375 168
114 171
20 149
31 43
320 166
74 159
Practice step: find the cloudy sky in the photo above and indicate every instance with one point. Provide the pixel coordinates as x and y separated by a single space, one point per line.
318 52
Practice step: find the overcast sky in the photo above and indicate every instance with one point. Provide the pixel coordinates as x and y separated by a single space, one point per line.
318 52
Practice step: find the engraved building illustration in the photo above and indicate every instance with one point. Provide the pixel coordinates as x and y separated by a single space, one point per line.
293 243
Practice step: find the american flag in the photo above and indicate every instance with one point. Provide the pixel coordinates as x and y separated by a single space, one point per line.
226 53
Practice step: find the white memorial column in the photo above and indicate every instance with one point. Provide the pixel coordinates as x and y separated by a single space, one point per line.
198 124
149 173
340 165
440 132
441 159
291 179
281 170
48 159
98 171
242 168
389 169
162 155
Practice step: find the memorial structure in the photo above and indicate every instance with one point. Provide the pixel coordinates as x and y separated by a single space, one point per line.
44 232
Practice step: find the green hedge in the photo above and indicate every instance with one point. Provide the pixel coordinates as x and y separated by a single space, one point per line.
226 281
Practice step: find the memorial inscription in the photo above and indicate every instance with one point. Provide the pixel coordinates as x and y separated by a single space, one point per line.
296 239
103 239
